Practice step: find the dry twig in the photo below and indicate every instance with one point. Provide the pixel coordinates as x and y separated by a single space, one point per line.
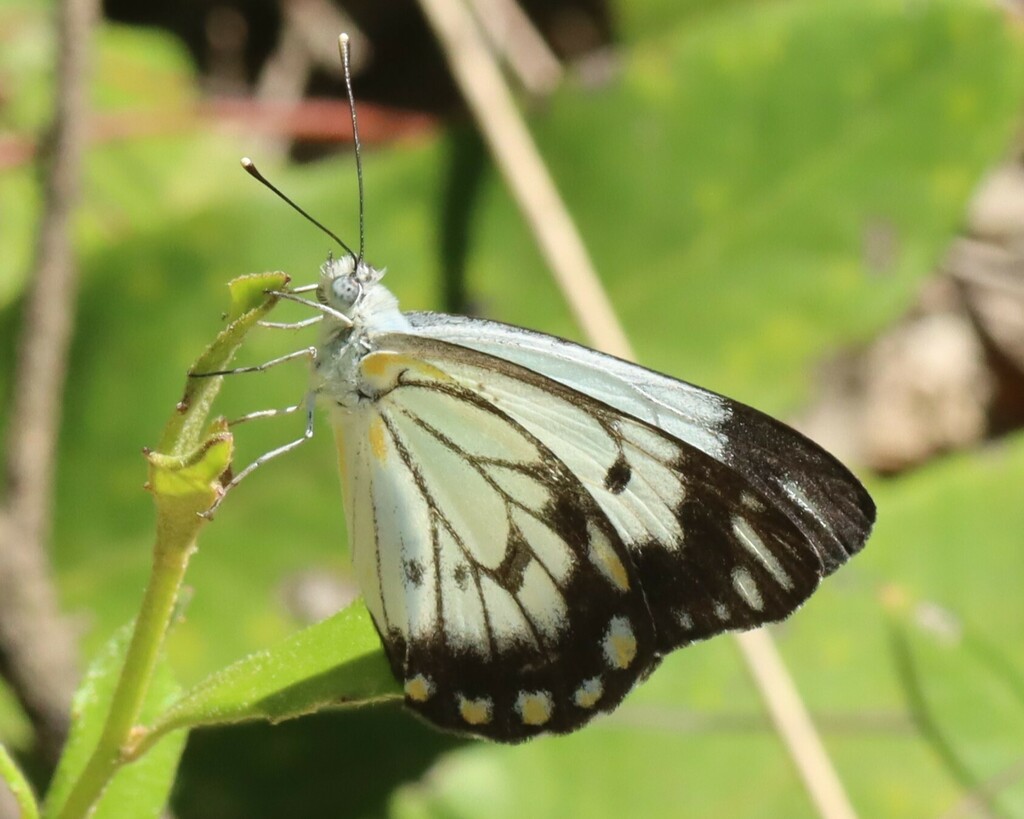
515 39
37 647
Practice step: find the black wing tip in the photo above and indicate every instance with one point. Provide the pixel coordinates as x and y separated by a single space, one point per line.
855 521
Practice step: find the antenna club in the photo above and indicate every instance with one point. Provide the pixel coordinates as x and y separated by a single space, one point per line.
343 39
250 168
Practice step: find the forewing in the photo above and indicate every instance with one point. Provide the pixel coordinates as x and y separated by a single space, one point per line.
506 599
816 492
715 547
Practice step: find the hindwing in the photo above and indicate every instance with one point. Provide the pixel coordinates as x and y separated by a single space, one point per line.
506 600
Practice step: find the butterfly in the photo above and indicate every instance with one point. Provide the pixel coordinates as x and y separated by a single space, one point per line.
534 524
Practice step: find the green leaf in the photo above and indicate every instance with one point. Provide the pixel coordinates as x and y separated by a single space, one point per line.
336 662
967 700
141 788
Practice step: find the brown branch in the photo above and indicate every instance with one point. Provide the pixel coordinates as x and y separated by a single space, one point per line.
37 648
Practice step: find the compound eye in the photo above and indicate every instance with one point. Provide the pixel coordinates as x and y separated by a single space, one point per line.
346 291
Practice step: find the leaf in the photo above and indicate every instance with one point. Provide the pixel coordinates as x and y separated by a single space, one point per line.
338 661
141 788
966 697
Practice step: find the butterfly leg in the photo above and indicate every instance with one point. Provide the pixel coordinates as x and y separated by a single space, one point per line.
267 413
294 325
291 325
266 456
308 352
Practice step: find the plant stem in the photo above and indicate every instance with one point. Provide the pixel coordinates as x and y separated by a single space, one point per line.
184 484
174 546
15 779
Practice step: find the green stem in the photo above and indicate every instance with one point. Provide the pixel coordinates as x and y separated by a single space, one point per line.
15 779
174 545
185 480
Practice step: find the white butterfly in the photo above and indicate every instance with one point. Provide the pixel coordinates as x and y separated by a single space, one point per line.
534 524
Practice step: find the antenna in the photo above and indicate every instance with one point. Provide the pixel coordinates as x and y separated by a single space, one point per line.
250 168
343 46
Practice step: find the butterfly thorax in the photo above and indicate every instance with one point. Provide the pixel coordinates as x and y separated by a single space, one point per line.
353 290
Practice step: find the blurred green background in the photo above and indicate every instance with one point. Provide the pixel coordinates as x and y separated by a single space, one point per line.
723 180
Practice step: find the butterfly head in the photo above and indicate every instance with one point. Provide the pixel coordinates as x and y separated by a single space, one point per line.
345 282
353 288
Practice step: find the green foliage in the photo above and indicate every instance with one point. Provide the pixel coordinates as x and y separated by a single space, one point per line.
966 697
334 662
727 184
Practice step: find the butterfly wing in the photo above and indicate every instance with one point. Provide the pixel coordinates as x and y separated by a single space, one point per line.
528 550
814 489
506 601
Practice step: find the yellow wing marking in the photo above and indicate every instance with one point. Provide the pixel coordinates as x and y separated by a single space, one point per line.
475 712
603 556
378 439
419 688
381 369
535 707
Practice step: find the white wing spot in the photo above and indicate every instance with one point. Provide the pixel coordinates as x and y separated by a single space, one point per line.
543 601
721 611
534 707
799 497
750 540
684 619
419 688
619 643
589 694
746 587
475 712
